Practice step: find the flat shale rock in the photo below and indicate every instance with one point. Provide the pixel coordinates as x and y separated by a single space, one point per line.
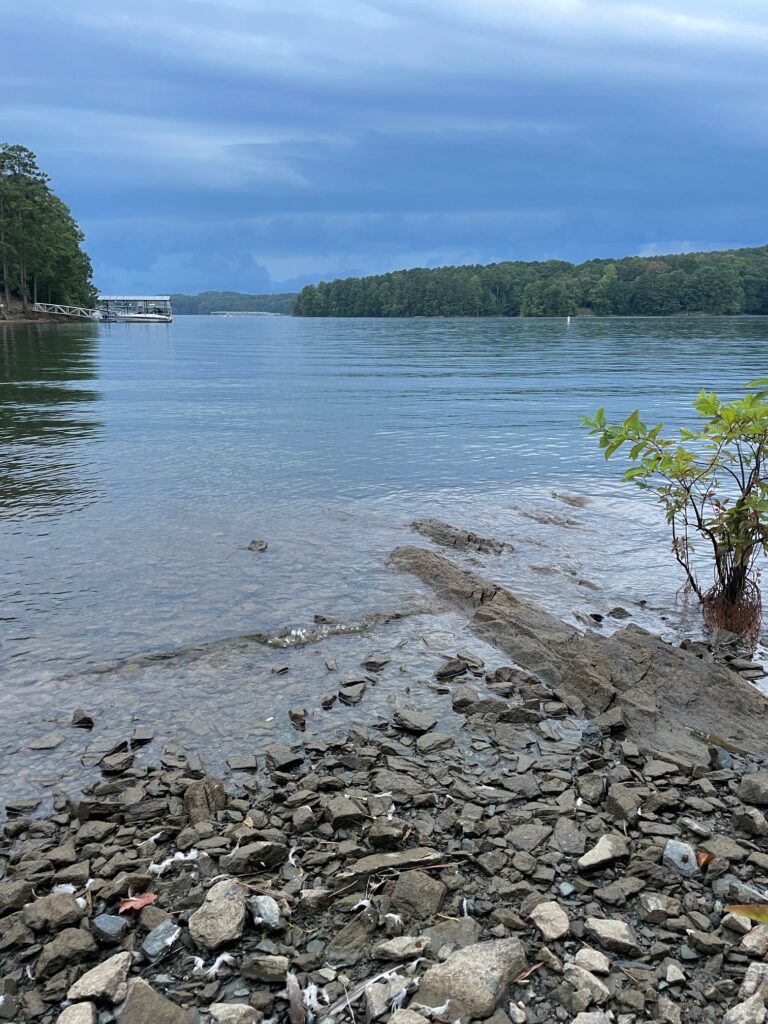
614 935
80 1013
414 721
551 920
417 895
52 912
71 946
233 1013
221 918
143 1005
203 799
254 857
607 850
474 979
754 789
105 981
349 946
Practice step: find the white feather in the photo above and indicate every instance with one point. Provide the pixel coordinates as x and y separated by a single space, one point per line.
63 889
362 905
162 867
223 959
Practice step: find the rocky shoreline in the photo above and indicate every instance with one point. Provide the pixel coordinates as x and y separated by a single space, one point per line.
556 865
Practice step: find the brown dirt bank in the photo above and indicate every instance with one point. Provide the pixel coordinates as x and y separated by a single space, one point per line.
670 699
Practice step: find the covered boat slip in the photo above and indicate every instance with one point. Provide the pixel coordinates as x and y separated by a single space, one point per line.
136 308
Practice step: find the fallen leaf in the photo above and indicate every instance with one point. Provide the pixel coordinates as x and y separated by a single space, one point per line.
754 911
129 903
248 822
527 972
702 859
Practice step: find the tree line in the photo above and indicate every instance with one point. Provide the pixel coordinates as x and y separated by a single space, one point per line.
41 258
210 302
719 283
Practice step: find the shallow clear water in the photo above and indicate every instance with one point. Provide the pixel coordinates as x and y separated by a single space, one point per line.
137 462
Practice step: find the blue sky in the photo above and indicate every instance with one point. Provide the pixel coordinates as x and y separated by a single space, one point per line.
260 145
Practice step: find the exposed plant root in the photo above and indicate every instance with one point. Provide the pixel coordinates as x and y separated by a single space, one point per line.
742 616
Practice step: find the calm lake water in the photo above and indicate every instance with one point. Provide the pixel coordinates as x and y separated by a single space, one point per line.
137 462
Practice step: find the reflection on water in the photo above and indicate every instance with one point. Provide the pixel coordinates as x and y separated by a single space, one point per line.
43 417
137 462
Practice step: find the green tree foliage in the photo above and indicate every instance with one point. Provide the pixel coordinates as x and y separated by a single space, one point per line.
712 483
720 283
41 258
210 302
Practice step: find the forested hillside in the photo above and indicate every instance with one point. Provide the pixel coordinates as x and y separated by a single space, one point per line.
40 255
209 302
716 282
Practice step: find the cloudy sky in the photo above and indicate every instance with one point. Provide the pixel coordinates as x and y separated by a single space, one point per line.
261 144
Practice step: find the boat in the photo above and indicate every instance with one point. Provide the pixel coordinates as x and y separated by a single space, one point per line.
135 309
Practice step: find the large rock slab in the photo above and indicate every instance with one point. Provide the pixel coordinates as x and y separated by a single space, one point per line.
474 979
671 699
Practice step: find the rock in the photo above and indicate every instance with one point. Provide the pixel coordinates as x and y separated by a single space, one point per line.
551 920
608 849
71 946
221 917
106 981
681 857
580 979
203 799
258 545
13 895
464 697
110 927
455 934
266 910
342 812
473 979
243 762
614 935
401 947
81 719
406 1017
281 758
755 979
750 820
623 802
349 946
433 741
754 789
414 721
52 912
234 1013
254 857
593 960
378 997
81 1013
452 537
417 895
145 1006
593 1017
657 909
674 975
376 862
161 940
755 942
270 969
751 1011
568 837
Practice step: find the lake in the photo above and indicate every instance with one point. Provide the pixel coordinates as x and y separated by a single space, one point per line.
137 462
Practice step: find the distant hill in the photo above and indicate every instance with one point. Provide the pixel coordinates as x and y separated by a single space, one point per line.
720 283
209 302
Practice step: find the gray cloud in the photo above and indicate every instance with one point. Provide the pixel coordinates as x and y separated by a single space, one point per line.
247 142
